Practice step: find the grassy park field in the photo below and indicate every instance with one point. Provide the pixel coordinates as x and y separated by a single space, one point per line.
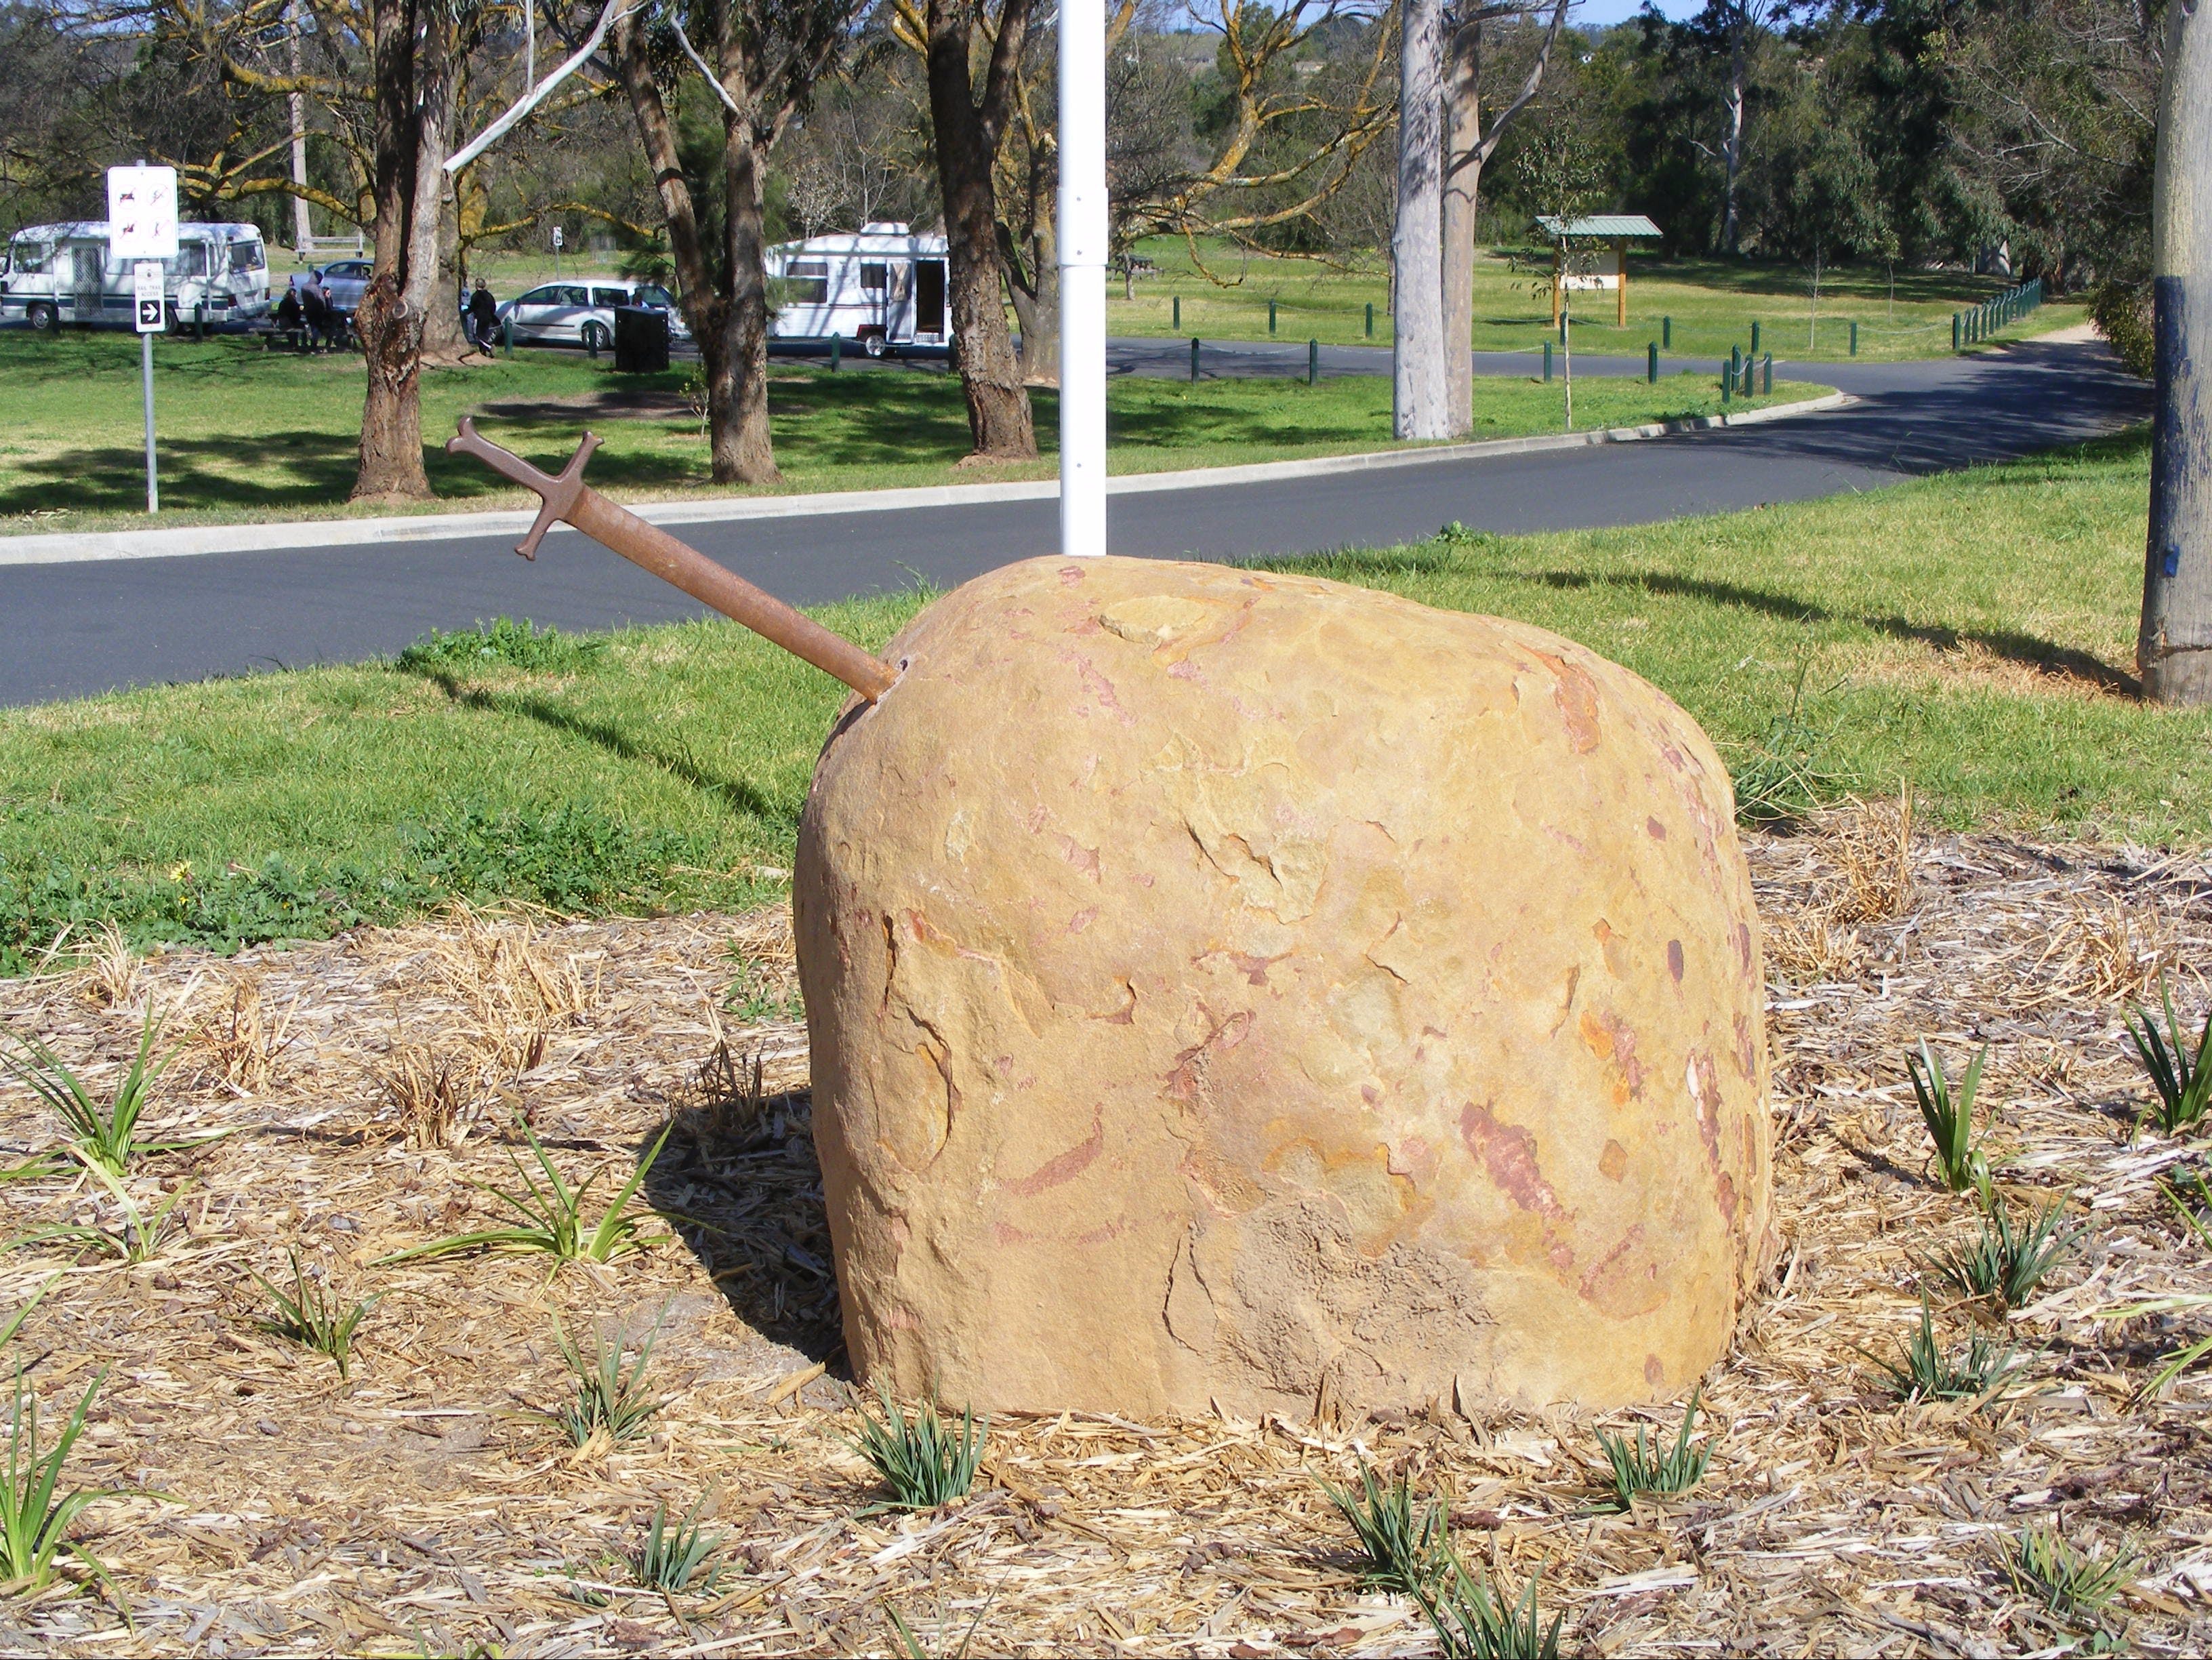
1225 295
1969 635
246 435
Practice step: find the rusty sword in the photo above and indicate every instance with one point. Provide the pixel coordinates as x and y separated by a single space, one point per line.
569 498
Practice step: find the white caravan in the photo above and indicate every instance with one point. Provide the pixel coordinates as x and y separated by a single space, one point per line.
882 288
55 274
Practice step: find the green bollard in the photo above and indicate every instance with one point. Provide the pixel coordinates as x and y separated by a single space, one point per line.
592 342
1766 376
1954 330
1735 362
1727 383
506 336
1651 364
1194 359
1854 338
1755 336
1666 334
1548 359
1313 362
836 351
1271 317
1177 325
1370 320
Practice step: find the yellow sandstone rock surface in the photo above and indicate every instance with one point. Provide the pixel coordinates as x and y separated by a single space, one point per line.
1244 989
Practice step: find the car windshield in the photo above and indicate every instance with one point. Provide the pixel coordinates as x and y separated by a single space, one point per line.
26 258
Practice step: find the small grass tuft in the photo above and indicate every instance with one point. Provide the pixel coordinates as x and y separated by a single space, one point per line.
924 1462
137 1238
502 642
2182 1079
1404 1543
2193 1210
1959 1162
672 1557
1470 1623
2072 1582
307 1315
105 1133
1930 1372
1657 1467
2005 1265
34 1522
553 1220
612 1403
1784 776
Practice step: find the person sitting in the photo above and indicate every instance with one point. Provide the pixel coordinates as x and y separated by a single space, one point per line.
483 316
287 310
315 311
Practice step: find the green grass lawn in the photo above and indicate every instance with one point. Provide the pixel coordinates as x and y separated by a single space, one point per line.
243 434
1713 302
1968 634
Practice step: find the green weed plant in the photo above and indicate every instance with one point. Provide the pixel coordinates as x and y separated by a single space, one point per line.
553 1218
672 1555
923 1461
1929 1371
2006 1264
611 1399
1960 1165
307 1315
2182 1079
2074 1583
1652 1466
1405 1543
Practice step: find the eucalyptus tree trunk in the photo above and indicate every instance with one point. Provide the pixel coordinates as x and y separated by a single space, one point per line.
967 129
1732 142
1465 153
2174 649
1419 401
414 67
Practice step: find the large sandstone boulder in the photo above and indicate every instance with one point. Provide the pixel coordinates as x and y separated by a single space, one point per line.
1247 989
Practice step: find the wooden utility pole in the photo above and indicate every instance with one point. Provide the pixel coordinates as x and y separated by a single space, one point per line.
2174 649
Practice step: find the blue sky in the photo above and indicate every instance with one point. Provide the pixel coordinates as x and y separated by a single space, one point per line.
1595 13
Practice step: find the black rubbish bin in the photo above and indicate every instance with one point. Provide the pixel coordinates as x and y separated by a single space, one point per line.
641 339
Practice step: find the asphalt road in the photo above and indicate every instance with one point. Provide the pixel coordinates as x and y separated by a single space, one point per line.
71 629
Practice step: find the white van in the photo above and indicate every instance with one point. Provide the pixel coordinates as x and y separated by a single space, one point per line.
883 289
583 314
51 275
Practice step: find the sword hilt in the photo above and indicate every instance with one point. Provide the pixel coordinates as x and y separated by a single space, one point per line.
558 493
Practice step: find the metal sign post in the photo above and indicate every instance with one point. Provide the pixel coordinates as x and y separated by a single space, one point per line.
149 291
142 221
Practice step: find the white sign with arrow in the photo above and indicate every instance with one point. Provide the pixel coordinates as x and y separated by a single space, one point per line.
142 226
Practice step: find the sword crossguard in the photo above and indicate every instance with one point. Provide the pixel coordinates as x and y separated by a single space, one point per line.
558 494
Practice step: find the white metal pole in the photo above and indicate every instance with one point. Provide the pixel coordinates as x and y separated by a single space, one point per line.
1082 277
152 479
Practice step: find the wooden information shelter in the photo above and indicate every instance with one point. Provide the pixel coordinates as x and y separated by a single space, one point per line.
1618 228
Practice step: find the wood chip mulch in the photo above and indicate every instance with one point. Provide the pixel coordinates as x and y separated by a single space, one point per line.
429 1503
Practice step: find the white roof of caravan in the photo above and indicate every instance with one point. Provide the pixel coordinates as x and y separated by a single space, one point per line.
866 242
68 227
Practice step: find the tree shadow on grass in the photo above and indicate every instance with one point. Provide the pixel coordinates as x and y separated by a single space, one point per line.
2079 669
738 794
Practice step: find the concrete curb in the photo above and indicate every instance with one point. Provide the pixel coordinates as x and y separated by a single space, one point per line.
313 535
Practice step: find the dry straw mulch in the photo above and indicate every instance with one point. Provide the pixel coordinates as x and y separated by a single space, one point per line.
429 1504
